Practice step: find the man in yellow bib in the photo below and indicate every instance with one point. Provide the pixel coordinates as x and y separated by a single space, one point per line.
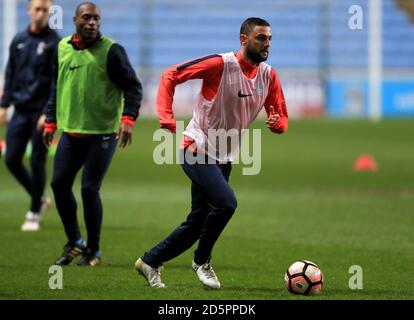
95 103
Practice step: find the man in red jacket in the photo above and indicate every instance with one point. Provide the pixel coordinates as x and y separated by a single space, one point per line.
236 86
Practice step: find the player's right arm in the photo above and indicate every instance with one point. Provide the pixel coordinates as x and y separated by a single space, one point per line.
8 84
52 55
51 123
208 68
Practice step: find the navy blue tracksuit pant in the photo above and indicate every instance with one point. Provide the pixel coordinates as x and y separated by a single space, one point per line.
21 129
95 154
213 203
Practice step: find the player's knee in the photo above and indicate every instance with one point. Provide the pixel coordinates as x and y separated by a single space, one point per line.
55 184
59 184
230 204
37 164
89 189
12 163
37 161
9 163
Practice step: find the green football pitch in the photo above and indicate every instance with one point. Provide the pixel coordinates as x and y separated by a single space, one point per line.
306 203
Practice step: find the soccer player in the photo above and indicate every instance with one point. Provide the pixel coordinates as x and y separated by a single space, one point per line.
95 103
27 87
235 88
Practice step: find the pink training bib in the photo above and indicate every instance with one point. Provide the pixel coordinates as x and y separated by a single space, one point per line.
218 125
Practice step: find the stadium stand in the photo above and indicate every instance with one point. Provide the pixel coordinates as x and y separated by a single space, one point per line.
306 36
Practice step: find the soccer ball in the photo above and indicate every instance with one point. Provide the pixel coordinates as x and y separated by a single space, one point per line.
304 277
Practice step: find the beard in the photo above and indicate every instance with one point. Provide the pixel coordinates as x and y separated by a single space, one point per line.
255 55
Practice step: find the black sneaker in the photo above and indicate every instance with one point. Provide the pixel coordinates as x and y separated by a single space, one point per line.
70 252
89 258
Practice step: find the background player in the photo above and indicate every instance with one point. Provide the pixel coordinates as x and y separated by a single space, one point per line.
95 86
27 87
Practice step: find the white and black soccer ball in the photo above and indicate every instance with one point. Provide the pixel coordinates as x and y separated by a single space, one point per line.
305 278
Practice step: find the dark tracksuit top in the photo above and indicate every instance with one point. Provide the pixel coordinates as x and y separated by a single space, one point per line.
28 80
29 70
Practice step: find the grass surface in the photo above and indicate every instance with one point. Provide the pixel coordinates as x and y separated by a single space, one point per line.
306 203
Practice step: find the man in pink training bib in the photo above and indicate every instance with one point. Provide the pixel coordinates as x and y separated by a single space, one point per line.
235 88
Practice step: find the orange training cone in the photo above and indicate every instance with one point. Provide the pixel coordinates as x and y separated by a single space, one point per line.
365 162
2 147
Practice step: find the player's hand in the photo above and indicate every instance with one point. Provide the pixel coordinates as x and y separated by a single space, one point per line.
3 116
124 135
48 138
273 117
170 126
41 123
48 133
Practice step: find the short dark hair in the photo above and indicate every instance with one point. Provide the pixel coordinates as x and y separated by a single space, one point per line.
84 4
249 24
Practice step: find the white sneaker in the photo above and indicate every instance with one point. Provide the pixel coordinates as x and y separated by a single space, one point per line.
206 275
153 275
32 222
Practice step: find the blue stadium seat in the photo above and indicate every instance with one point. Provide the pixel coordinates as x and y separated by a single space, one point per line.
181 30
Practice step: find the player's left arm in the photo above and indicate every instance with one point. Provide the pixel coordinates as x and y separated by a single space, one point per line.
121 73
275 106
